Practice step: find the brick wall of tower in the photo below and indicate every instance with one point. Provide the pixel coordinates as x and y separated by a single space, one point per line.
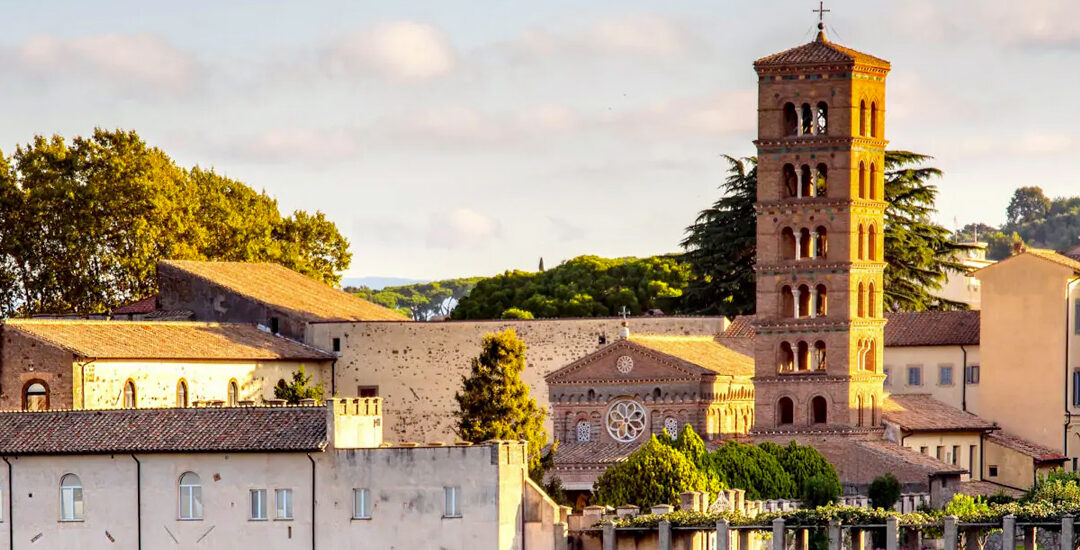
850 327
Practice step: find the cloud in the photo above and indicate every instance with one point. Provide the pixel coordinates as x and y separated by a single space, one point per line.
143 59
1035 23
404 51
647 35
461 227
299 144
564 230
721 113
547 118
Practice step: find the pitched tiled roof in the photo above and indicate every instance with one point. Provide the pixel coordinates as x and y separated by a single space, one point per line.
739 335
163 340
1021 445
986 489
594 453
922 413
146 305
702 351
1056 258
932 328
821 52
284 289
1073 253
232 429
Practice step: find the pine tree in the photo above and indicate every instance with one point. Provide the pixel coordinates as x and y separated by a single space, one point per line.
494 403
541 264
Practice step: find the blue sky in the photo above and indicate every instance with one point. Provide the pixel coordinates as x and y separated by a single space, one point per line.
450 138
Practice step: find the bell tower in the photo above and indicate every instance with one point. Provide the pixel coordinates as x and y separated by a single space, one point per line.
820 218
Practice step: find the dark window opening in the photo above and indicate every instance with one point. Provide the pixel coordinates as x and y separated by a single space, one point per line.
819 409
274 325
367 391
337 344
786 412
992 471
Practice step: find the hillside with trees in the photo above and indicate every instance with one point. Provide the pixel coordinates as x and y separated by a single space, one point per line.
84 222
1032 219
421 301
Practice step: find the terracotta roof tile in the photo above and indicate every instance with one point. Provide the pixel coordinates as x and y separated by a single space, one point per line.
287 290
163 340
1021 445
987 489
146 305
922 413
702 351
821 52
594 453
232 429
932 328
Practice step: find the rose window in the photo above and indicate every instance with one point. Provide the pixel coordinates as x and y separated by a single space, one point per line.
624 364
625 420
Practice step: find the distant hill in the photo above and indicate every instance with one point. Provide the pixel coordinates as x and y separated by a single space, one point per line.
378 283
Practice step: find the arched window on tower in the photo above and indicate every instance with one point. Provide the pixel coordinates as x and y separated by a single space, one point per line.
821 181
787 302
874 187
803 356
862 301
819 410
804 301
788 244
787 358
862 241
862 118
862 180
822 118
822 301
785 412
806 181
871 297
821 247
873 410
873 119
820 358
871 356
791 120
791 181
807 120
806 245
859 407
871 241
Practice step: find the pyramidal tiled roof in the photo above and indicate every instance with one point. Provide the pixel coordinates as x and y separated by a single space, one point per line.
821 52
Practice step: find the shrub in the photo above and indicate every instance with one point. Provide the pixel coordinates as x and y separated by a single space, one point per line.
884 491
654 474
801 462
820 490
753 469
517 313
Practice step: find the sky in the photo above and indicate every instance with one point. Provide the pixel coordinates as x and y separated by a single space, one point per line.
453 138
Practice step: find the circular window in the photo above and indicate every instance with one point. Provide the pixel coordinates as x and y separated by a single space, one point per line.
624 364
625 420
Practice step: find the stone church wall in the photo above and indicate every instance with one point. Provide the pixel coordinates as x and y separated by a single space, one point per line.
417 367
24 360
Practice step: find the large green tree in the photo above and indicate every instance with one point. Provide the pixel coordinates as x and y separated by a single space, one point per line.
494 403
721 244
1027 204
421 301
84 222
654 474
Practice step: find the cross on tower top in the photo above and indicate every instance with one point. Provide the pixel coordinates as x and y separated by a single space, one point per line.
624 313
821 11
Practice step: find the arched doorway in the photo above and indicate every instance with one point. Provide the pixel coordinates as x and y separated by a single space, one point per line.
785 411
819 410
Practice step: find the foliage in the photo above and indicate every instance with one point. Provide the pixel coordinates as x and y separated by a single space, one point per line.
801 462
299 389
721 245
586 286
885 491
494 403
1058 486
421 301
820 490
1027 204
105 208
751 468
967 506
515 313
654 474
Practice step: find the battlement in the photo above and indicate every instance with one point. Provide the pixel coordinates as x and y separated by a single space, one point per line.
354 423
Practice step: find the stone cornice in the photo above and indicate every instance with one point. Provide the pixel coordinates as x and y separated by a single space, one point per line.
811 267
824 205
816 144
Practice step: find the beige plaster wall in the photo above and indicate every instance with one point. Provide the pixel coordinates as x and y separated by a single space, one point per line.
102 381
966 441
931 358
1014 469
418 366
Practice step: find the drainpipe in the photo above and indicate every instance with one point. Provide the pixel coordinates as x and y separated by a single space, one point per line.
1068 316
964 383
333 378
11 506
312 500
138 501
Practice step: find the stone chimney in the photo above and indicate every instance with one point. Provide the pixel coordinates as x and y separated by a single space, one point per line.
354 423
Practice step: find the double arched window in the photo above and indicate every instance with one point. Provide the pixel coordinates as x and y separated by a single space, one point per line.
802 357
804 301
190 497
71 498
805 181
806 119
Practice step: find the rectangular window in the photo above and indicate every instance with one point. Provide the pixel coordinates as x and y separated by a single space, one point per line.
888 377
924 451
361 504
1076 388
1076 317
274 325
71 504
973 374
337 345
945 375
367 391
971 460
955 454
914 376
940 453
452 508
992 471
283 498
258 504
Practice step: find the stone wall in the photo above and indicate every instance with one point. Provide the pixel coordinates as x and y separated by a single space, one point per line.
417 367
24 360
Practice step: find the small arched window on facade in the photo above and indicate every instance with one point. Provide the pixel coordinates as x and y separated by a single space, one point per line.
804 301
871 241
862 242
873 119
129 395
871 301
592 395
785 412
806 245
584 431
821 181
36 396
806 181
71 498
190 493
861 299
803 356
822 301
862 118
671 426
790 181
820 359
874 187
787 302
819 410
181 394
788 244
791 120
787 357
821 247
234 393
807 120
862 180
871 356
822 118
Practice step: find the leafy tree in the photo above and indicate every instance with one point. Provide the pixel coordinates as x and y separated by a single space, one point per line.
885 491
721 246
654 474
300 388
421 301
1058 486
801 462
975 232
586 286
820 490
1000 246
751 468
494 403
515 313
1027 204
